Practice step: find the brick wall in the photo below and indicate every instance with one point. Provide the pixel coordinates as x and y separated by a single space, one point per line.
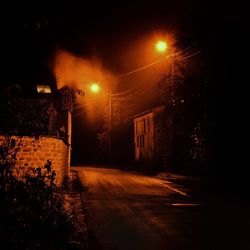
35 153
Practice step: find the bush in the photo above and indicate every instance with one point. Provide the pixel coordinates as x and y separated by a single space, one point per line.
31 207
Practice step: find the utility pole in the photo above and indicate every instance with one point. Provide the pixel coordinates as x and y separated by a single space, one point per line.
110 125
172 121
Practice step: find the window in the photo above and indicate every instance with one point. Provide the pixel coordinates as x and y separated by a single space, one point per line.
148 125
43 89
141 141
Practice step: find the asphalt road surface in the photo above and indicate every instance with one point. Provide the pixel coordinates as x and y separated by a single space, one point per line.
127 210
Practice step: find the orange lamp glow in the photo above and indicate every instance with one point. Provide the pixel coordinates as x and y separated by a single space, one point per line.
161 46
95 87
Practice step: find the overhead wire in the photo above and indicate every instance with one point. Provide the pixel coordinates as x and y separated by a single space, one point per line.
188 56
150 84
150 78
138 90
163 58
135 94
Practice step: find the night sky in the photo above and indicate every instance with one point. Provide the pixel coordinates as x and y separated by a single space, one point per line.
35 30
31 33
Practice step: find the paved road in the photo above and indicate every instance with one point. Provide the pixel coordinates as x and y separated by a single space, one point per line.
130 211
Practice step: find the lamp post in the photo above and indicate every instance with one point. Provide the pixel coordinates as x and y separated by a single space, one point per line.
95 88
172 120
161 46
110 126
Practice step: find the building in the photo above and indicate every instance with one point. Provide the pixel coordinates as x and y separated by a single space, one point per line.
149 135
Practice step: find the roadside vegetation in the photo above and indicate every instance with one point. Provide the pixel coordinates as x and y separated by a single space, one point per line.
32 207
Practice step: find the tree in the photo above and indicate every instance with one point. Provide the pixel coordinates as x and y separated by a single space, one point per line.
190 102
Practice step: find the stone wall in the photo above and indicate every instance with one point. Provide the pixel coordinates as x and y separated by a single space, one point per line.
35 153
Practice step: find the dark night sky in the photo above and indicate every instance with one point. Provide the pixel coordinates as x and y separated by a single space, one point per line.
31 32
85 27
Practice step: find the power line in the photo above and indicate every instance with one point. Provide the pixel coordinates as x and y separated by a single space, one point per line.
151 64
138 90
163 58
188 56
152 78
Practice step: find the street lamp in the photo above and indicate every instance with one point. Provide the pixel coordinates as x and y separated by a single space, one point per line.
161 46
95 88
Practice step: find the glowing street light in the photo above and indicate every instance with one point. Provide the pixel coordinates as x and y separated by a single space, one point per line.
95 87
161 46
